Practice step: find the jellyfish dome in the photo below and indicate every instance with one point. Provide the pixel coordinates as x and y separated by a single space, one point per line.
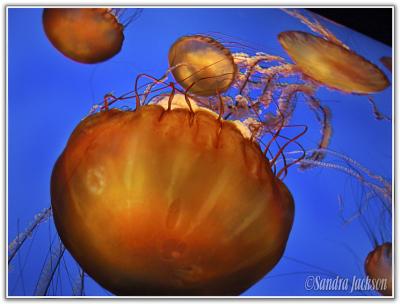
202 65
378 266
331 64
86 35
169 200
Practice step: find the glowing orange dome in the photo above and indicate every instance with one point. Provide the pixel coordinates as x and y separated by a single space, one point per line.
169 202
331 64
86 35
378 266
203 65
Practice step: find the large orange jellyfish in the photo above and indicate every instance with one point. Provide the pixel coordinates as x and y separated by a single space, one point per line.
169 200
378 266
172 198
86 35
202 65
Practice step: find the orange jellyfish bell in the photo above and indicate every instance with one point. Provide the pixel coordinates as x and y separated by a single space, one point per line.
202 65
169 202
331 64
378 266
387 62
86 35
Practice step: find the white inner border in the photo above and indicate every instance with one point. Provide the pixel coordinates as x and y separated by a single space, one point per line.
180 3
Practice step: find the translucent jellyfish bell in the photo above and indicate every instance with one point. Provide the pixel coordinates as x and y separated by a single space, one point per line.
86 35
331 64
202 65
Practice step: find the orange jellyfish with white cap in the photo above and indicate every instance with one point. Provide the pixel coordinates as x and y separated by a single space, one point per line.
169 200
86 35
191 202
171 197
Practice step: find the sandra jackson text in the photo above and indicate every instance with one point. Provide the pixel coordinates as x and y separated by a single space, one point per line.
344 284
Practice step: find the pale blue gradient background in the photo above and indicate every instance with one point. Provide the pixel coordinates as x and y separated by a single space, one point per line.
49 94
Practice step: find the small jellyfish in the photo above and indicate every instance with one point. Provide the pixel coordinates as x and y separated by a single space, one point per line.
387 62
378 266
202 65
86 35
332 64
189 203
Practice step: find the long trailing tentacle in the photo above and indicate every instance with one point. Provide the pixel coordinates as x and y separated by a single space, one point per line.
286 165
354 163
49 269
378 115
252 67
315 26
79 286
17 243
384 190
323 115
109 98
149 87
305 128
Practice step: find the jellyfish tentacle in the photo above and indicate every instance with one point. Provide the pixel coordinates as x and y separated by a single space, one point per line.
170 100
315 26
125 23
294 162
108 100
305 128
171 96
221 106
149 87
326 129
355 164
284 169
49 269
273 127
378 115
155 80
350 172
187 98
354 169
79 287
253 67
274 137
19 240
